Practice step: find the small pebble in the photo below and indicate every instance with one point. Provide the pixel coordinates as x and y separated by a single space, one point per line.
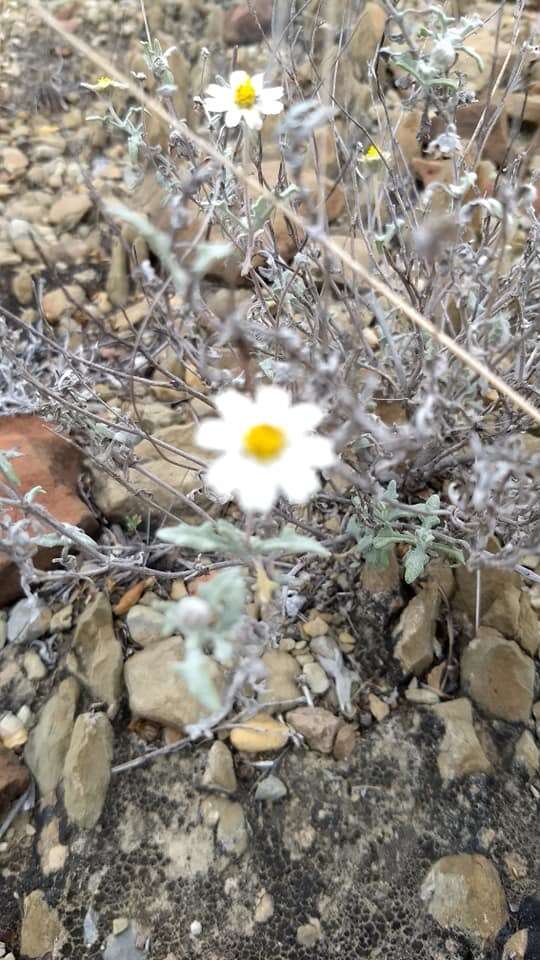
196 928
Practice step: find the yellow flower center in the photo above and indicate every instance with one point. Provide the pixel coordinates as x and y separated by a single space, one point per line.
103 82
264 442
245 94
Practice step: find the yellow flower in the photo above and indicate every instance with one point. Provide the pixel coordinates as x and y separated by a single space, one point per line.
372 153
104 83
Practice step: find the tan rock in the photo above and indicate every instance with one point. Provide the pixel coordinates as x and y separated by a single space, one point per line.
219 772
56 303
366 35
381 579
498 676
416 631
503 613
464 892
318 726
69 210
231 833
528 629
117 284
156 689
14 779
527 754
264 909
493 582
345 742
49 740
87 770
259 734
517 946
378 708
22 286
41 932
315 627
282 670
460 752
96 656
145 624
14 162
316 678
52 853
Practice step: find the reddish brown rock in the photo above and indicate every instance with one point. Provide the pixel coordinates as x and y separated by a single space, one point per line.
243 26
49 462
318 726
14 779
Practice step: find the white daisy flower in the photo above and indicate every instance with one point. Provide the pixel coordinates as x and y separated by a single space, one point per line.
244 98
267 447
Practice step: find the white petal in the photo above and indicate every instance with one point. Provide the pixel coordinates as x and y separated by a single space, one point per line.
253 118
233 117
270 108
216 90
223 473
215 106
235 407
314 451
212 434
304 417
257 486
222 101
300 484
237 77
258 82
272 402
272 93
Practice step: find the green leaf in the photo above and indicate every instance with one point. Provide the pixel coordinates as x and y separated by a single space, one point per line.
6 468
195 670
207 538
290 542
206 254
226 595
415 562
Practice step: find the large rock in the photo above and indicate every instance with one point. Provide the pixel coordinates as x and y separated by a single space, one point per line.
49 462
87 770
498 676
156 689
367 33
416 631
241 25
48 742
494 582
96 656
41 932
460 752
14 779
464 892
170 478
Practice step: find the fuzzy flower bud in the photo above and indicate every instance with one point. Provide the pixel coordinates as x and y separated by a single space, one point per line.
192 613
443 56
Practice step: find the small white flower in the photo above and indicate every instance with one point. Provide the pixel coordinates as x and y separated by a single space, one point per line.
244 98
267 447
